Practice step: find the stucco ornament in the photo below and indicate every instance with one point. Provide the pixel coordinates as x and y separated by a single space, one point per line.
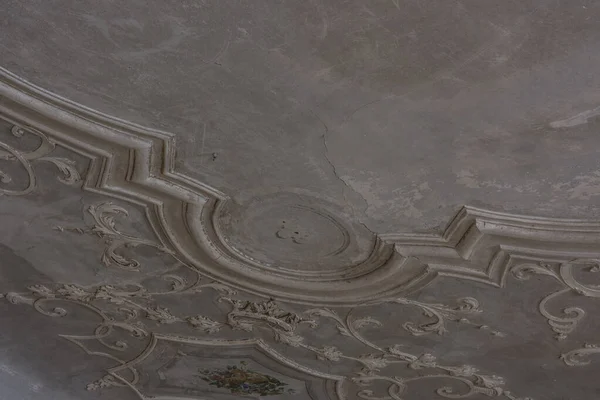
214 234
104 215
563 274
135 314
264 306
27 158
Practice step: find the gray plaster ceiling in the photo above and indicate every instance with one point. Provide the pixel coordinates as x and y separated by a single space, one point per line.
342 199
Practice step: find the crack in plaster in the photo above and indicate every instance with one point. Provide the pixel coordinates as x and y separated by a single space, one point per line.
344 183
338 177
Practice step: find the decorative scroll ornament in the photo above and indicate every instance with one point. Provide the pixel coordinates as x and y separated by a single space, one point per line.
580 357
442 312
562 273
133 315
137 164
69 176
123 309
104 215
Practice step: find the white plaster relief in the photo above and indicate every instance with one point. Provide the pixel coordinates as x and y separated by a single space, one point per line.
562 273
185 213
477 245
124 313
66 167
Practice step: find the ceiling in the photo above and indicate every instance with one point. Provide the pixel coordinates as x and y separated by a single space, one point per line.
324 200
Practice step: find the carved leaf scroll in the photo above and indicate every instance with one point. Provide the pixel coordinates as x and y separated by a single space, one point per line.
128 308
26 159
563 274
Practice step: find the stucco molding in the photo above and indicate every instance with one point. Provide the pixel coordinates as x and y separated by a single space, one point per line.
136 164
135 316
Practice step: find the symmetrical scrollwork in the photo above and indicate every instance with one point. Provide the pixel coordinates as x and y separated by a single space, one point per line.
69 176
138 163
135 311
120 309
562 273
380 358
246 313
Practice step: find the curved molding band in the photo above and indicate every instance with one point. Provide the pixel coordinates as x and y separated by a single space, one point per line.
136 164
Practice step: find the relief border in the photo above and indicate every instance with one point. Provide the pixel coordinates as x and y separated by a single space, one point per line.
136 164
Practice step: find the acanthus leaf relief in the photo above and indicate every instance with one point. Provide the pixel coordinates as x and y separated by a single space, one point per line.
125 309
562 273
135 313
67 169
104 215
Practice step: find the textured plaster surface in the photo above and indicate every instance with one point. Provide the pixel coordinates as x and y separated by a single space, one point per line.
397 113
400 111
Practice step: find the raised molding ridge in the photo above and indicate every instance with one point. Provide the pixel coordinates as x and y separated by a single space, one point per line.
482 245
136 164
130 316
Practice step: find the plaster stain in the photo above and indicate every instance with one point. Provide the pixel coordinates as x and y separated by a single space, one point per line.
579 119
